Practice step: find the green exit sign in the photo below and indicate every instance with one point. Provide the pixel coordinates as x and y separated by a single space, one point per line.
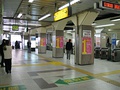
15 28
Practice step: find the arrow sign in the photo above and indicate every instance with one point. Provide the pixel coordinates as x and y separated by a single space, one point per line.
74 80
61 82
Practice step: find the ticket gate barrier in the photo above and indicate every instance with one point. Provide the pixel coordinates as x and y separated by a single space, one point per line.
103 54
108 53
97 52
115 55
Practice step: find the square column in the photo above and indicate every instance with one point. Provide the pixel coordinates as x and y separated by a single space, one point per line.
84 47
57 43
42 43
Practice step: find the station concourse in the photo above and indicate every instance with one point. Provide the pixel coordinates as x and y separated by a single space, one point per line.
93 27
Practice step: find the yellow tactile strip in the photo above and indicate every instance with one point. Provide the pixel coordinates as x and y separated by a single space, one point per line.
98 76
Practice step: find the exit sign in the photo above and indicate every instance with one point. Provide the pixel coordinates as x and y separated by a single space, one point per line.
109 5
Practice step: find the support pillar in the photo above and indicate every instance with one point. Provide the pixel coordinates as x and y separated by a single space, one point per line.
84 47
42 40
57 43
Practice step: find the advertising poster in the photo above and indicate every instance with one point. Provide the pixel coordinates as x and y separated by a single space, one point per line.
54 41
43 42
86 45
59 42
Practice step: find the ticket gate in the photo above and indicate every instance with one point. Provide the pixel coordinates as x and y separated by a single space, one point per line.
108 53
115 55
97 52
103 54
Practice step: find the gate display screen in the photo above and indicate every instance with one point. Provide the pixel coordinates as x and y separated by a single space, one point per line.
110 5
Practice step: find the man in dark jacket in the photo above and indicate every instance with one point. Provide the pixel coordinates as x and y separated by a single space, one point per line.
69 48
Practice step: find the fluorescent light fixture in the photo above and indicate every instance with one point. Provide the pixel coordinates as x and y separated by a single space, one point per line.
44 17
30 1
106 25
93 24
116 20
71 3
19 15
109 30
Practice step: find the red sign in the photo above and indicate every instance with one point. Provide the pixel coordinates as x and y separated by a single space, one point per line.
110 5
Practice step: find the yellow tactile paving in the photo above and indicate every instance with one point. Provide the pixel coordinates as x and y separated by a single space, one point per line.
56 63
108 73
109 81
4 84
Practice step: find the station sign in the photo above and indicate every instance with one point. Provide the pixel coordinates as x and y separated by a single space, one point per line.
109 5
61 14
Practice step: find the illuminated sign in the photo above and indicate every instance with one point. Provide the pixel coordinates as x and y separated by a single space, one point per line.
15 28
62 14
110 5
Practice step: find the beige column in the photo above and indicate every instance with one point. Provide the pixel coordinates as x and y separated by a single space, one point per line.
84 47
42 40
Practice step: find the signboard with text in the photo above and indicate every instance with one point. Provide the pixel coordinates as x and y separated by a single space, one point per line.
61 14
86 45
109 5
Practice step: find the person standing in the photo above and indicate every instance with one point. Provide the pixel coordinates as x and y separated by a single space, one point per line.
8 56
1 52
29 46
69 47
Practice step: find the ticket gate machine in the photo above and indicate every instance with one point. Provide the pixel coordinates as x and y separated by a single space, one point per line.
116 55
103 54
97 52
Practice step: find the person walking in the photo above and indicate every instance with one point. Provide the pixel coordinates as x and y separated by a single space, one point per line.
8 56
1 52
69 47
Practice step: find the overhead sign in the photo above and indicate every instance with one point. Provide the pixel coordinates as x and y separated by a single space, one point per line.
62 14
110 5
15 28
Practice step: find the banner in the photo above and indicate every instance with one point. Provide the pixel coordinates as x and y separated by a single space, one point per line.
59 42
86 45
43 42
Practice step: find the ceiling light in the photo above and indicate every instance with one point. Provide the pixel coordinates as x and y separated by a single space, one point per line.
71 3
93 24
109 30
106 25
44 17
116 20
19 15
30 1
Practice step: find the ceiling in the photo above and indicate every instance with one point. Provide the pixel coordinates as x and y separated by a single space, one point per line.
33 11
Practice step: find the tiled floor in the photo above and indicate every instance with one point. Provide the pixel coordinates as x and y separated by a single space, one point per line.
31 71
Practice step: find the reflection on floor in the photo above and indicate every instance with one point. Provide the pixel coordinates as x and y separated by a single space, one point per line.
42 72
